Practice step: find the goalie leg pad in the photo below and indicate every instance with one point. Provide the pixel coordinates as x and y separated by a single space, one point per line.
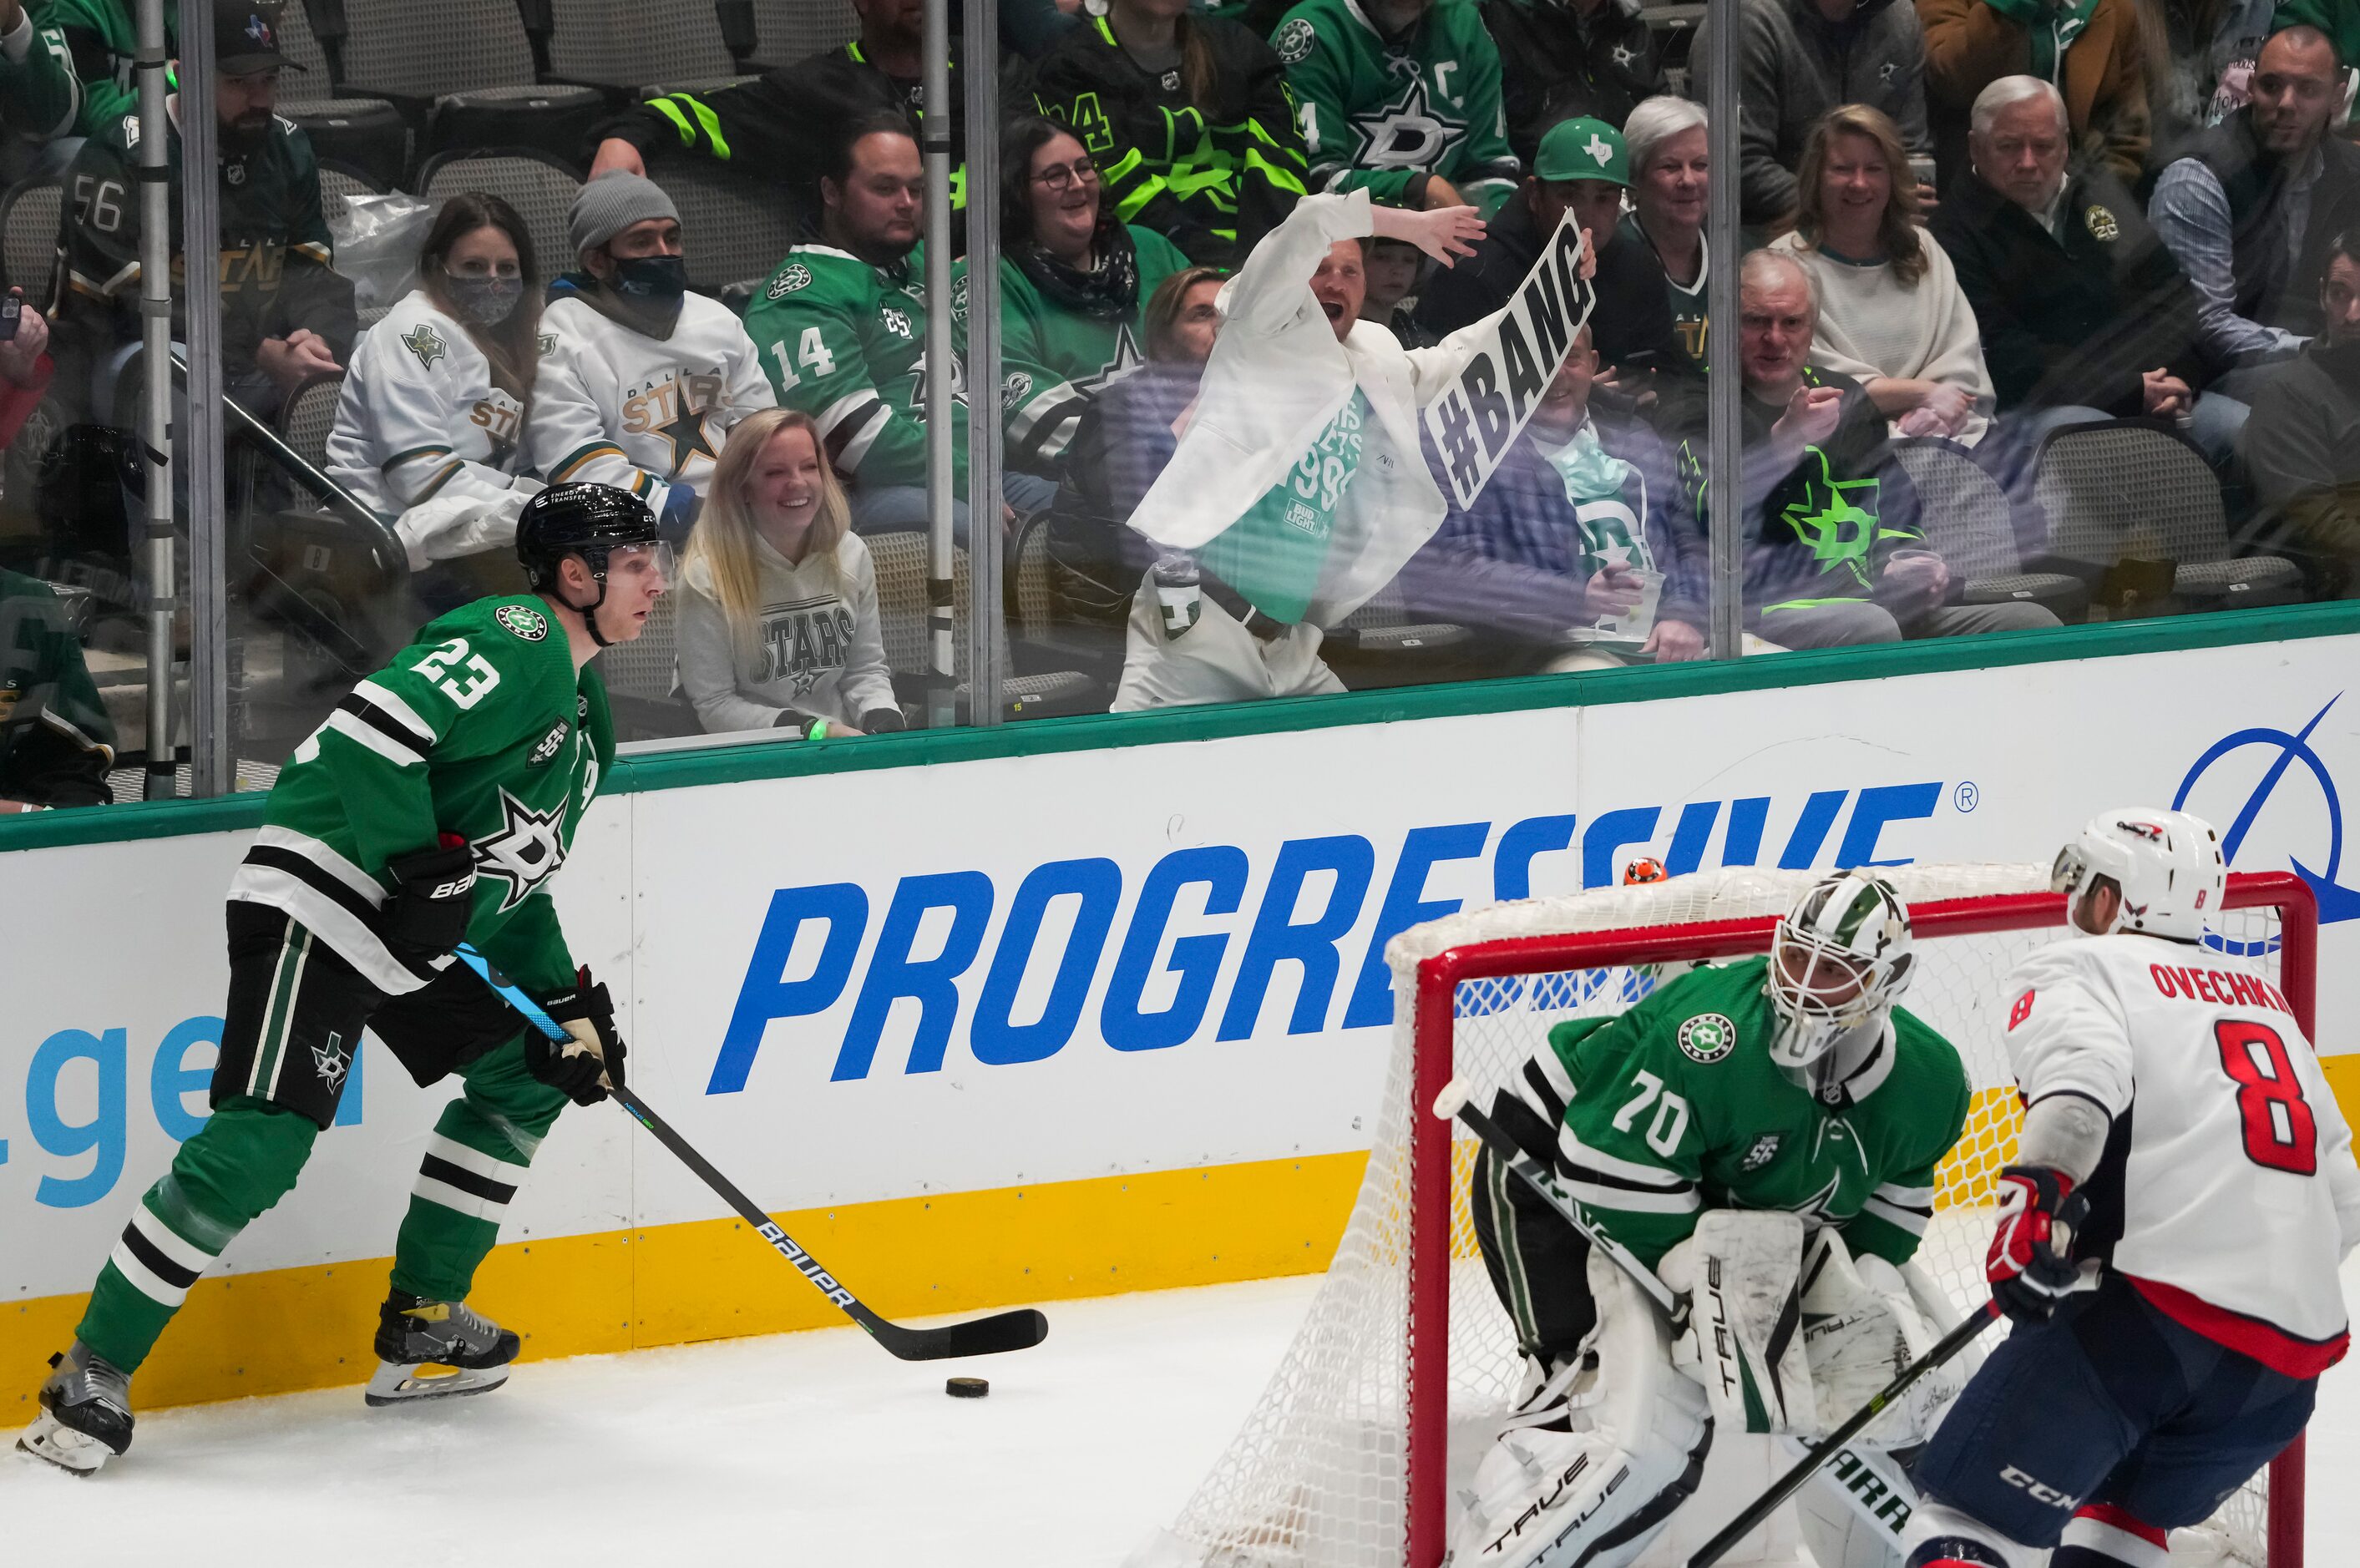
1741 1272
1595 1495
1854 1511
1863 1325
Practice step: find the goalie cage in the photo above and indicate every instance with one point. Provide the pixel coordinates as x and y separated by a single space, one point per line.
1406 1360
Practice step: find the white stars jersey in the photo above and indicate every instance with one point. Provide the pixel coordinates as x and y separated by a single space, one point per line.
617 407
2229 1167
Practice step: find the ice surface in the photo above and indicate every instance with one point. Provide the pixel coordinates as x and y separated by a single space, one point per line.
807 1448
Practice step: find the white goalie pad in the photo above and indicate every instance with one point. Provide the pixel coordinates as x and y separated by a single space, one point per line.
1598 1493
1742 1273
1854 1510
1863 1323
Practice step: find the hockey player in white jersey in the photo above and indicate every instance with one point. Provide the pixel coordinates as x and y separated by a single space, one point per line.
2169 1236
430 428
640 380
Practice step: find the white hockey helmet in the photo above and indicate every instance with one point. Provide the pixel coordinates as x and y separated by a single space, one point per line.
2167 865
1840 957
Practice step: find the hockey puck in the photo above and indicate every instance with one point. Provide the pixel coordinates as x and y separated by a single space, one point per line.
966 1387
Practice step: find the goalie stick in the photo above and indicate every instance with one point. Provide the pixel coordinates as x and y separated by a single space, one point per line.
1456 1101
1019 1330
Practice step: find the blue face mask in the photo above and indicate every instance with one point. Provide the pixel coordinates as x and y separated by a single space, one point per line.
483 301
657 279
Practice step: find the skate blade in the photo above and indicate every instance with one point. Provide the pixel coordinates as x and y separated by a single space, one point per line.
398 1384
76 1453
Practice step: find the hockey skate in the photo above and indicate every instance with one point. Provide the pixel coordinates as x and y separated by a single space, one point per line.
432 1350
85 1416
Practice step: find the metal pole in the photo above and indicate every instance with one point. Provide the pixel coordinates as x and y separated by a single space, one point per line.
985 558
156 412
1725 502
214 673
934 141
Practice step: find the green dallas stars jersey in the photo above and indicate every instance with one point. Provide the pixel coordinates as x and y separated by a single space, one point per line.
481 727
1378 111
845 342
1674 1107
1056 357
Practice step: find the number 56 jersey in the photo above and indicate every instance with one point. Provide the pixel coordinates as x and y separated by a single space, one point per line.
482 729
2227 1194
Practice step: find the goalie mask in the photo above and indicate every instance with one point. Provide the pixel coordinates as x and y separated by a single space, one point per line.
2166 864
1839 960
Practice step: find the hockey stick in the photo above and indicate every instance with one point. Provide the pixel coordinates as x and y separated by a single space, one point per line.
1019 1330
1456 1101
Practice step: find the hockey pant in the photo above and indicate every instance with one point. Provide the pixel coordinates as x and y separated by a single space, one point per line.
1214 661
295 1016
2114 1410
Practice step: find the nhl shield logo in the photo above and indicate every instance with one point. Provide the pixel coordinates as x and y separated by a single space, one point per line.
1708 1036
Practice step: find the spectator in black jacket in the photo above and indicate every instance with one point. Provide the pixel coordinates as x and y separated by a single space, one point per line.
777 127
1562 59
56 743
2303 442
1583 169
1188 120
1582 517
2085 315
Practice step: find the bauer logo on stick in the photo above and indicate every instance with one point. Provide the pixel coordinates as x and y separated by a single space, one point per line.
1708 1036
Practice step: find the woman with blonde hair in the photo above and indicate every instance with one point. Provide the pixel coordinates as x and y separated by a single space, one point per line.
779 626
1892 315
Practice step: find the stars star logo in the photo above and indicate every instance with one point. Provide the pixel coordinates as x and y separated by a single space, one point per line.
1626 57
687 431
525 852
1835 518
1405 132
1127 358
1885 73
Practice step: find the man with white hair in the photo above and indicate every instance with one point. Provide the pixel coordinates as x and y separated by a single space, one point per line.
2085 314
1833 553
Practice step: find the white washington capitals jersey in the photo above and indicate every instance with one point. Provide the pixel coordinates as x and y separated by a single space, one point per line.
2230 1163
616 407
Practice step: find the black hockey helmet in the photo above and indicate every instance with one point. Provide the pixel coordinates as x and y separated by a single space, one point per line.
587 520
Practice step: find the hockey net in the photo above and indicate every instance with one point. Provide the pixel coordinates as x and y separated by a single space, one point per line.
1405 1361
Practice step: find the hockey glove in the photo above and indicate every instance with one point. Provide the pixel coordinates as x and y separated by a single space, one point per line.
433 894
584 1068
2031 1266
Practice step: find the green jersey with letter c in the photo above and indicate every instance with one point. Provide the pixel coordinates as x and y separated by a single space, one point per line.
1674 1107
1378 111
481 727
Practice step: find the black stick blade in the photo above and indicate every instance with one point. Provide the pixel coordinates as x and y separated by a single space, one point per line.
994 1335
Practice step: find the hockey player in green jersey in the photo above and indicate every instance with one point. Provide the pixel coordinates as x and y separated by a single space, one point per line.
1765 1134
1400 98
430 808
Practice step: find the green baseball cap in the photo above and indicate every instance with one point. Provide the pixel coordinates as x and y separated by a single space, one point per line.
1583 149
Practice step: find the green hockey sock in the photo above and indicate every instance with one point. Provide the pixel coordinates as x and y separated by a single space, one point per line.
474 1164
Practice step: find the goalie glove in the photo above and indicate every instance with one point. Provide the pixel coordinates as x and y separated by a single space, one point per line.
2031 1266
585 1067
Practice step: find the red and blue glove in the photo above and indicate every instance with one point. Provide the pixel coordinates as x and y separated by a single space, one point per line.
2031 1266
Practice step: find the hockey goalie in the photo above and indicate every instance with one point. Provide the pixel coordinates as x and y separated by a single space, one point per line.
1764 1134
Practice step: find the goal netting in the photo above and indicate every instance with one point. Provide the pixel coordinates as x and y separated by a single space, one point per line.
1405 1361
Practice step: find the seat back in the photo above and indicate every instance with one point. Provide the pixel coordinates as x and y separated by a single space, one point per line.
2126 487
337 183
29 218
309 415
734 230
626 43
1964 512
423 48
1035 601
900 558
646 667
539 188
312 83
787 30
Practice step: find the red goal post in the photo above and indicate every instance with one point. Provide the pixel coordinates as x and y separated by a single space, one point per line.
1440 975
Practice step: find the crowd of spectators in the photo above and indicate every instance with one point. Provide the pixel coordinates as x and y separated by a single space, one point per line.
1231 229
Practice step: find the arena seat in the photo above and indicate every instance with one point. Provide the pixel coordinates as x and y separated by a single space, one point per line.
29 216
900 562
642 679
1968 522
627 43
735 232
541 188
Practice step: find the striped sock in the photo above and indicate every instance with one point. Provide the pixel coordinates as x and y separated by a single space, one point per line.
147 1278
456 1205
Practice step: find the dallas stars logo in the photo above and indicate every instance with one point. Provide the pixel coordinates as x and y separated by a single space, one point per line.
1626 57
1835 518
427 344
1405 132
525 852
331 1062
1708 1036
1127 358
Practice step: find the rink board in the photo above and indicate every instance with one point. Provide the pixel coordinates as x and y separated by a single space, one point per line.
1057 1016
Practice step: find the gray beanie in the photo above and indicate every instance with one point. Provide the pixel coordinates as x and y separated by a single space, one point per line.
611 203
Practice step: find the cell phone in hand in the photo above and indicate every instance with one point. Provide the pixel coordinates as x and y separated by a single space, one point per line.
12 312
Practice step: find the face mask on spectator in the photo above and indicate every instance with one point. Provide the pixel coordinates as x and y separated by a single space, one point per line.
484 301
658 279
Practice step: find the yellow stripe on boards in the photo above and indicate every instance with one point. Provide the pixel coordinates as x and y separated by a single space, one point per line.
288 1328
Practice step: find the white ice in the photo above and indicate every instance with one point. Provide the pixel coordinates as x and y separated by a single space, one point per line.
798 1449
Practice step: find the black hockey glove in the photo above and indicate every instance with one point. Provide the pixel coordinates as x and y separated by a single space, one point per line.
585 1067
2031 1266
433 893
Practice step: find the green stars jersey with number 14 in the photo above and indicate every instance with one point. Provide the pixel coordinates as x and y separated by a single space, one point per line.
481 728
1676 1108
1378 111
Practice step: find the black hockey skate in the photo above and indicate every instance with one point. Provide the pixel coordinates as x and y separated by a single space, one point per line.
432 1350
85 1416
